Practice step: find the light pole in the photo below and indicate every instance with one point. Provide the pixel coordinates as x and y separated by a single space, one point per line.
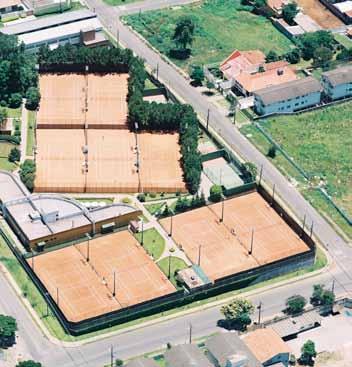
252 238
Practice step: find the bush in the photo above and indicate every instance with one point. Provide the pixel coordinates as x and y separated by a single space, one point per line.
272 151
33 98
126 200
141 197
27 173
152 195
215 193
14 155
15 100
10 138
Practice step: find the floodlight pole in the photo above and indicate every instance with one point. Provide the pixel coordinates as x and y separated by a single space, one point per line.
252 238
260 175
311 230
171 224
259 312
273 195
190 333
208 115
199 254
142 234
169 273
222 209
114 289
303 225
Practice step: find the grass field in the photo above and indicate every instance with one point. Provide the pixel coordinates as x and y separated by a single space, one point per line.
343 40
221 27
175 264
30 133
14 112
153 243
319 142
154 208
5 149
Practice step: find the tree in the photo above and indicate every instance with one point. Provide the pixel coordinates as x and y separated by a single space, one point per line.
118 362
250 171
14 155
184 32
238 313
322 56
27 173
308 353
215 193
310 41
15 100
289 12
197 75
295 304
294 56
321 296
3 116
272 151
33 98
8 328
210 86
272 56
28 363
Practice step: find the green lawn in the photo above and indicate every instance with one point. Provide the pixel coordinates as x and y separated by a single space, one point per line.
318 141
154 208
14 112
343 40
90 200
5 149
153 243
221 27
30 132
175 264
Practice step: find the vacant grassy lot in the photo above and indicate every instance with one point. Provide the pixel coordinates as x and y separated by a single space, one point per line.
320 142
153 243
221 27
5 149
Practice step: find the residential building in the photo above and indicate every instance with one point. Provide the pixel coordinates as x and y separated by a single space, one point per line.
288 97
273 73
229 350
186 355
142 362
242 61
268 347
9 6
338 83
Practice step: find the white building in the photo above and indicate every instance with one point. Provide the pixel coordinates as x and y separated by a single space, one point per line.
288 97
338 83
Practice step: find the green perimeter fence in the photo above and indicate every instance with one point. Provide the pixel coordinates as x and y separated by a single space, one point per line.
181 297
302 172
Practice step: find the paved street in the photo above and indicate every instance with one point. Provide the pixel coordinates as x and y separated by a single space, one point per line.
175 331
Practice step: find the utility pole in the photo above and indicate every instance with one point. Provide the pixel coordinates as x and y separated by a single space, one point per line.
260 175
32 261
190 333
303 225
157 71
199 254
112 355
57 296
114 289
259 312
171 223
142 234
169 273
208 115
88 248
333 287
311 230
252 238
273 195
222 208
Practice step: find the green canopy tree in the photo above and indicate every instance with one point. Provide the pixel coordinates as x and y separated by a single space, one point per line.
8 328
28 363
184 32
295 304
308 353
14 155
289 11
322 56
238 313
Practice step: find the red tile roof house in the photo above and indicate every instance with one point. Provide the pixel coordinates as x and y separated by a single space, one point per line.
242 68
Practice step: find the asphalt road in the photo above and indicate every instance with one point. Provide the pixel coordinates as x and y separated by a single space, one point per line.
176 331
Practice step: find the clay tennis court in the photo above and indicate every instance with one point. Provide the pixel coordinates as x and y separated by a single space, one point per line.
160 166
60 161
86 288
70 101
225 246
318 12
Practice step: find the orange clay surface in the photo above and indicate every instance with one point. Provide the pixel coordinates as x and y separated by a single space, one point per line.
73 100
318 12
225 246
85 289
112 159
